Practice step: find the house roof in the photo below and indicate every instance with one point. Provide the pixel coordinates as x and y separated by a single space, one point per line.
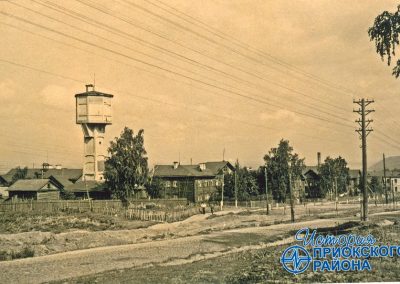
212 169
70 174
82 186
63 181
310 168
394 173
29 185
354 173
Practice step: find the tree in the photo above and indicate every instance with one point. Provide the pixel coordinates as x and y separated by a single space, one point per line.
246 183
385 33
334 171
127 165
19 174
154 188
375 185
278 162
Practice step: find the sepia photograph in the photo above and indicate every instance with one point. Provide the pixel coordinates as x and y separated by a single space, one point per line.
211 141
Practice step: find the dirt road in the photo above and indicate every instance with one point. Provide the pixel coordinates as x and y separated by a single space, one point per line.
186 249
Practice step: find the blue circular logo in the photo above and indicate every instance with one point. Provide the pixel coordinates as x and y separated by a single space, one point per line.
296 259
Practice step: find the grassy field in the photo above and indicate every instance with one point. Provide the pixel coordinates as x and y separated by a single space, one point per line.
18 222
261 266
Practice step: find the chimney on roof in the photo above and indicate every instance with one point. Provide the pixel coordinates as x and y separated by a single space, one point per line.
89 86
319 159
176 164
202 166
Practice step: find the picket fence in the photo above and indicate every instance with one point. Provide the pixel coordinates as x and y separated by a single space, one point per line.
135 211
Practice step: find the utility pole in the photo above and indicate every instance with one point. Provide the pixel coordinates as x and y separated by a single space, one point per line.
384 179
364 131
266 189
392 190
336 196
236 190
291 196
222 191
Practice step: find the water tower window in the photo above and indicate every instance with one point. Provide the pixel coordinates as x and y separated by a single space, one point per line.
100 142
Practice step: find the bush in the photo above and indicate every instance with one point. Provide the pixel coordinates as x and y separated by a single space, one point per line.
10 255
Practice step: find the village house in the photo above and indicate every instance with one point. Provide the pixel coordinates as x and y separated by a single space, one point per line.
45 172
392 179
66 180
90 189
196 183
37 189
311 181
354 181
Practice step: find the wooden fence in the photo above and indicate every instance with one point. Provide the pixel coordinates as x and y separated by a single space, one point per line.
160 215
135 211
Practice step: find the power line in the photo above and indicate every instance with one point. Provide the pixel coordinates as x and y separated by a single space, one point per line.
228 47
167 103
93 22
94 34
231 39
239 94
261 77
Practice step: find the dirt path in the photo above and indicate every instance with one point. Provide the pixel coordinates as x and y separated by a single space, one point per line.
186 249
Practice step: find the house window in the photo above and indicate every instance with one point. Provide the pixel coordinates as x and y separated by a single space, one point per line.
167 183
199 183
174 183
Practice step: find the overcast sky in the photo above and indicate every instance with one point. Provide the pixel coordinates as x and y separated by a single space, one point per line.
289 69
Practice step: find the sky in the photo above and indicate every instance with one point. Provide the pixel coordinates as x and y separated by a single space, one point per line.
202 78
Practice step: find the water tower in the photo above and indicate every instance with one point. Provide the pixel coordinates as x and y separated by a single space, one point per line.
93 113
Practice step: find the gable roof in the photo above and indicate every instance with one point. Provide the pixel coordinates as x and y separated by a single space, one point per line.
60 180
212 169
310 168
34 173
30 185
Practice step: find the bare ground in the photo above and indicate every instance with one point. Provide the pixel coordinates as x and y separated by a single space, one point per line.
199 237
49 234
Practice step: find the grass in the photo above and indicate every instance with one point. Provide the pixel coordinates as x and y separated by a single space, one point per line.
262 265
18 222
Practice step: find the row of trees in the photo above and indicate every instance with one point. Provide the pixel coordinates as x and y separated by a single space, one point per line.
127 170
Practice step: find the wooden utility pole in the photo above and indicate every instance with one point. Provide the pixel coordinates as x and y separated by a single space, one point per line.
364 131
291 196
266 189
236 190
392 190
336 196
384 179
222 191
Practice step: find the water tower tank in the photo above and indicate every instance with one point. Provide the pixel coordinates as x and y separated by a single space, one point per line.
93 107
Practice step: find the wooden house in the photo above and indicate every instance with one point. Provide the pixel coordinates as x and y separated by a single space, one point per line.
196 183
90 189
37 189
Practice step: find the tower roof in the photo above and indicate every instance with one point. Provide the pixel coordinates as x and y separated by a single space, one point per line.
94 94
